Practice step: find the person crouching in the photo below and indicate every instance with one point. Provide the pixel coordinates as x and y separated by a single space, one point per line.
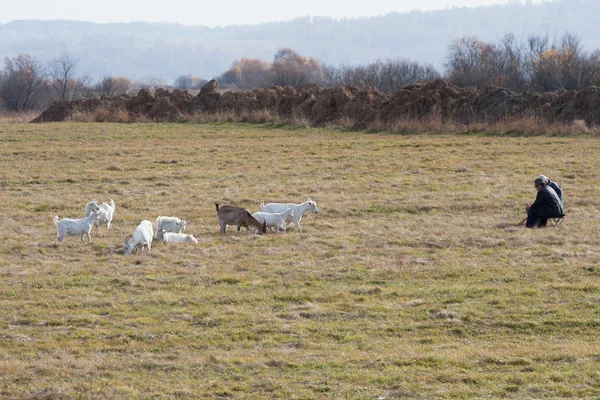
547 205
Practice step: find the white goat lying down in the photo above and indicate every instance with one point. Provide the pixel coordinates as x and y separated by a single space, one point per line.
82 226
274 220
169 224
299 210
107 212
142 236
172 237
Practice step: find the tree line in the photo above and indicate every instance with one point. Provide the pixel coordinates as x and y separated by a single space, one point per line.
535 63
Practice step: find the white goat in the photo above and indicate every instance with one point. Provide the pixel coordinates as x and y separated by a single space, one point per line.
142 236
274 220
107 212
299 210
82 226
172 237
169 224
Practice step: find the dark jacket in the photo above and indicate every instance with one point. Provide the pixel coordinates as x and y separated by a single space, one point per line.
556 188
547 203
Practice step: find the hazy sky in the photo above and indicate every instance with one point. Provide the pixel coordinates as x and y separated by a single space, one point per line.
217 13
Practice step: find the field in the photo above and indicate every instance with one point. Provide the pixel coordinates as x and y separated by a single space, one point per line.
411 281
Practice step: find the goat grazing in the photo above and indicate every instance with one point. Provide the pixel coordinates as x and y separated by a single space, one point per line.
142 236
299 210
274 220
230 215
82 226
172 237
107 212
169 224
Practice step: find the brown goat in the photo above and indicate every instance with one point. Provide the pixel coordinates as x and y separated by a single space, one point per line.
230 215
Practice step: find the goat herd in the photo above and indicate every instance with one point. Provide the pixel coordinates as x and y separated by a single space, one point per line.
169 229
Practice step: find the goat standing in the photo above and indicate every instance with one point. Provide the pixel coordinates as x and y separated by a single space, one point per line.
230 215
107 212
299 210
274 220
142 236
82 226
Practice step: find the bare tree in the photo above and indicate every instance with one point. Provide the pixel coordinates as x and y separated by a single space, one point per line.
290 68
332 76
577 68
252 73
21 82
512 63
183 82
112 85
387 76
189 82
147 82
61 71
82 87
471 62
539 63
246 73
105 85
561 64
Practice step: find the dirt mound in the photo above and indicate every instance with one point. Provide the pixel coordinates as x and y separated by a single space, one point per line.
142 103
58 111
420 100
321 106
164 111
210 87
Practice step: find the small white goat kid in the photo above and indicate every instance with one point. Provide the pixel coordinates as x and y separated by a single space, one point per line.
169 224
274 220
299 210
142 236
107 212
172 237
83 226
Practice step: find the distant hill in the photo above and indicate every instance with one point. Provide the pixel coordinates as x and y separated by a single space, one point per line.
140 49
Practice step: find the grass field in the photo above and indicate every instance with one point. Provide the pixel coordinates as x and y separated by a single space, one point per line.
412 281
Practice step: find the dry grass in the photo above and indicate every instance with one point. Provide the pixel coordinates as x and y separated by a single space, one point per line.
7 117
411 282
257 117
432 124
525 126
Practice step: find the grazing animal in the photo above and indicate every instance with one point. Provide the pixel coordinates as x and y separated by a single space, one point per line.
274 220
82 226
299 210
169 224
230 215
172 237
107 212
142 236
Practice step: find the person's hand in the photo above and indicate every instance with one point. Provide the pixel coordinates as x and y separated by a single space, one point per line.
527 206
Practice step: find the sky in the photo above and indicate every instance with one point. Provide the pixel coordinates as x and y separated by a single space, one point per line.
218 13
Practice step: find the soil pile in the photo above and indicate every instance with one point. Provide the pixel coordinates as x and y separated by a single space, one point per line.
321 106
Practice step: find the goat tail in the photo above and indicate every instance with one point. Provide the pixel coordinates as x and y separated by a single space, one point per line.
217 206
55 220
112 204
